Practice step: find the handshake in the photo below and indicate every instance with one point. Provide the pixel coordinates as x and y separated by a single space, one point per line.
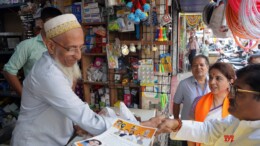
164 125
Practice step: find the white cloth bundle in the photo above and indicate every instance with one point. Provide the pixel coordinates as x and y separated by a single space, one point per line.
218 22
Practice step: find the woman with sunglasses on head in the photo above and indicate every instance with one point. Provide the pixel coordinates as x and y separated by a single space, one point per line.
214 105
240 128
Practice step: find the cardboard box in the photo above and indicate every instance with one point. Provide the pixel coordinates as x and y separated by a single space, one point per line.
89 16
97 20
93 1
67 2
95 15
91 5
90 1
148 102
91 11
76 10
92 20
90 40
86 15
87 20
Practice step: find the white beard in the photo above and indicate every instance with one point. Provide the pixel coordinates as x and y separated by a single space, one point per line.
73 73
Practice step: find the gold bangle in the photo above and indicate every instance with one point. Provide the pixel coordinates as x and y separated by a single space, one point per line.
179 126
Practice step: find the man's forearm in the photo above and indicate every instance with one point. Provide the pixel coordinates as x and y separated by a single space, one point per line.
14 82
176 110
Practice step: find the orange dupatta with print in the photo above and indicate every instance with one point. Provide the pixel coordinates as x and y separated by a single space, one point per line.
203 107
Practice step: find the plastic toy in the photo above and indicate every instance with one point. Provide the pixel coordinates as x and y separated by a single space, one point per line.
139 9
164 34
161 34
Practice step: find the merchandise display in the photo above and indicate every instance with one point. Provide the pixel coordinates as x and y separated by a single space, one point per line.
142 44
116 46
146 72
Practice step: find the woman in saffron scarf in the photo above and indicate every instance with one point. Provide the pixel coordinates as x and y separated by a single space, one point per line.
214 105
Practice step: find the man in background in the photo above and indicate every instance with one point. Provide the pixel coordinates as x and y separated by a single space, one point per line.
205 49
254 59
191 87
193 48
27 53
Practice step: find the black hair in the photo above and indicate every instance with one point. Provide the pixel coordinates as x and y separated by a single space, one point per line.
202 56
49 12
250 59
250 76
225 68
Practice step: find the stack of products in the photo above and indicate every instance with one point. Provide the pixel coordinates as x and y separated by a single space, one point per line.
91 13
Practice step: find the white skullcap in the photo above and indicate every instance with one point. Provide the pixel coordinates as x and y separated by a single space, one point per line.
60 24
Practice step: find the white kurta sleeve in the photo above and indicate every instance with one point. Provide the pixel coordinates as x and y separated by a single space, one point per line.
208 132
55 90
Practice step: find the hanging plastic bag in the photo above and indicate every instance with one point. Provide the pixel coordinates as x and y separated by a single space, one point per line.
110 3
218 22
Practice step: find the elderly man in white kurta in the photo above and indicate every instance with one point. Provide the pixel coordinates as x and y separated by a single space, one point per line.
49 107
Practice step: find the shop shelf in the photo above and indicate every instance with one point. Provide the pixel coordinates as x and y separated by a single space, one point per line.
9 52
95 54
5 6
95 23
95 83
147 42
131 85
11 94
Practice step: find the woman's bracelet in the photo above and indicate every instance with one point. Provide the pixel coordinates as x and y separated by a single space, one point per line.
179 125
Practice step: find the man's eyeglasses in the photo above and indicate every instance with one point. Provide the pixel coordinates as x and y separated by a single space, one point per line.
70 49
234 90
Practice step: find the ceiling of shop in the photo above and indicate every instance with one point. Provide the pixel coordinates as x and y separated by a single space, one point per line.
192 6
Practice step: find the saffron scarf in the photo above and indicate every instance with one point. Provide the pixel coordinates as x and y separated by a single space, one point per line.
203 107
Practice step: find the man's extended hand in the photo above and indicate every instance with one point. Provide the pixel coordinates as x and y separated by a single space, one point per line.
167 126
79 131
153 122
